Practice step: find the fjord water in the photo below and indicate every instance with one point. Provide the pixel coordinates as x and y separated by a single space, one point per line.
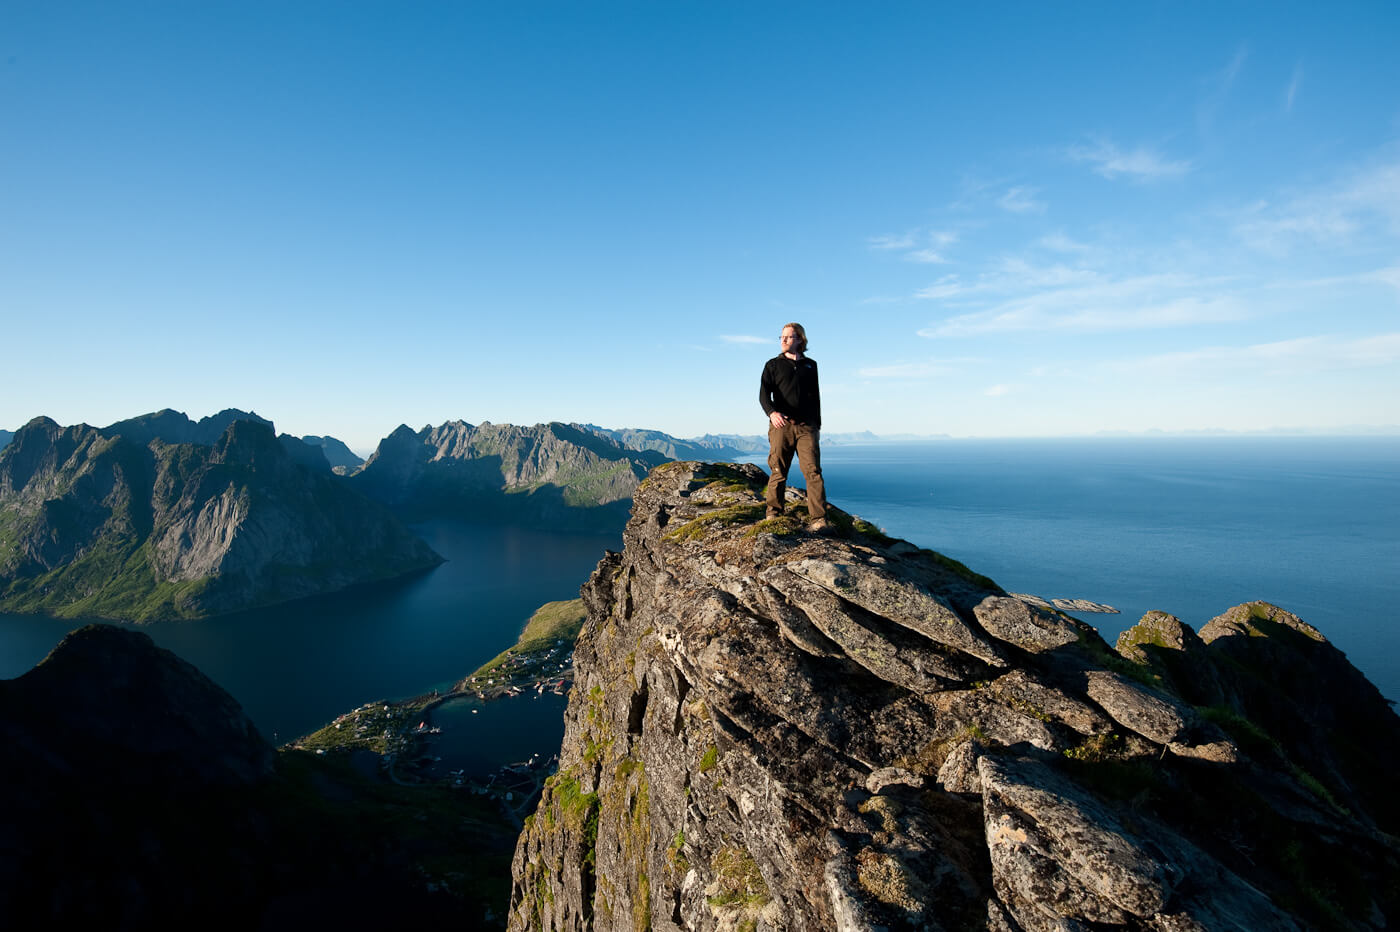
297 666
1190 526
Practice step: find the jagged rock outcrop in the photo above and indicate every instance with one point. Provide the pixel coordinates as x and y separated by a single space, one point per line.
93 523
549 473
772 730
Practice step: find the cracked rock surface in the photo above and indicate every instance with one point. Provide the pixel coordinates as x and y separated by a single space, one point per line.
774 730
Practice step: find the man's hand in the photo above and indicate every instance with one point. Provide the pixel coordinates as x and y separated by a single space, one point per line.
777 419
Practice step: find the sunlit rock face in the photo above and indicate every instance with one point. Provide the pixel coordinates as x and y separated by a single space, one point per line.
555 475
777 730
120 523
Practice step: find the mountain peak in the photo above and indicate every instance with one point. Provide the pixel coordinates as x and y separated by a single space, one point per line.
171 426
130 708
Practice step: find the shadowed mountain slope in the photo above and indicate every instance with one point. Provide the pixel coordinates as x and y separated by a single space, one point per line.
141 797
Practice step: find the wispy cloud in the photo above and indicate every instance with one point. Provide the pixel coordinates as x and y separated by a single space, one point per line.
1059 242
1009 276
1078 301
1331 215
1389 276
1021 200
1217 87
946 287
904 370
997 391
1296 356
927 256
925 369
1290 93
917 246
744 339
1141 164
892 241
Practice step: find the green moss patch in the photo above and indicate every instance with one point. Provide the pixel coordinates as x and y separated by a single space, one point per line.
719 518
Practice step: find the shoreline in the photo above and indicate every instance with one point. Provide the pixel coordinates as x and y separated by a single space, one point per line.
400 733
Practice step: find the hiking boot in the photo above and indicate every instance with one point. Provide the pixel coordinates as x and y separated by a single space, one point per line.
819 526
773 513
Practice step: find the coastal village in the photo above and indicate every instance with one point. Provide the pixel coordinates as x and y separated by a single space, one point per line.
400 742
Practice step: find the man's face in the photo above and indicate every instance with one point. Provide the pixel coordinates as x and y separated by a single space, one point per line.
789 340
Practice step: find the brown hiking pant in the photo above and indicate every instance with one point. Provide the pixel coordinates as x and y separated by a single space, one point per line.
783 442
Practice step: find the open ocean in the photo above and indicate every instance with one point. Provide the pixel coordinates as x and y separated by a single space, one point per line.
1190 526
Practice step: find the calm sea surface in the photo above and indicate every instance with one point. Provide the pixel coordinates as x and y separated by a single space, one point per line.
1187 526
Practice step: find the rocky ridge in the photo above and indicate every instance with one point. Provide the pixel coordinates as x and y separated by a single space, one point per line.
772 730
551 473
96 523
673 448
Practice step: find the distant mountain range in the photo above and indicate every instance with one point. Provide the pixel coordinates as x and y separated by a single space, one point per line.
554 474
161 517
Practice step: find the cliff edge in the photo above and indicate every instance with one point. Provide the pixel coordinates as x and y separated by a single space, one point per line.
772 730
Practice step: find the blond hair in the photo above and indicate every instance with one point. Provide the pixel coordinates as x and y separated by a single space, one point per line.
801 335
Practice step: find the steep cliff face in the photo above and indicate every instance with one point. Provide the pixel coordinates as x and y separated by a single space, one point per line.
550 472
773 730
98 524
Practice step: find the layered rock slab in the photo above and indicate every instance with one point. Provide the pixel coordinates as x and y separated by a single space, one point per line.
776 730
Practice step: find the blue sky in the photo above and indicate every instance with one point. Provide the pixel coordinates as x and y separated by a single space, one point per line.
994 220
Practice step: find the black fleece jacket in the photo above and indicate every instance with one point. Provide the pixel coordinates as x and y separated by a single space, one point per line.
790 387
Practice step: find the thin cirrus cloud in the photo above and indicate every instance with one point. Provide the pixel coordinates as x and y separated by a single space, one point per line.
1296 356
1060 242
1097 305
894 241
907 370
743 339
1141 164
1021 200
927 248
1367 199
1011 276
1295 84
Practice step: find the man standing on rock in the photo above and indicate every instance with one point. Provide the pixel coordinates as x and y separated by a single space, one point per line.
790 397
